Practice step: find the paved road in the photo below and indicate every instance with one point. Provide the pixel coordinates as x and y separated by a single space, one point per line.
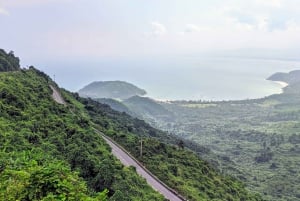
56 96
128 161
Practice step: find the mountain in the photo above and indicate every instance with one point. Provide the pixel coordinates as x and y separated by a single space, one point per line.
111 89
290 78
50 151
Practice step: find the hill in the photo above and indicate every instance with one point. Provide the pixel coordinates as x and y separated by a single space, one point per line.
111 89
115 104
51 152
146 107
165 156
291 78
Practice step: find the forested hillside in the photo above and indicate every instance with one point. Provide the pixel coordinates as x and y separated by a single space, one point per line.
181 169
50 151
257 141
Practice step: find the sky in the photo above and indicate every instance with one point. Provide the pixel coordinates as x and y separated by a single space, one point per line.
59 35
80 29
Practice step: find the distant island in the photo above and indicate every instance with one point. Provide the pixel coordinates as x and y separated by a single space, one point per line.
111 89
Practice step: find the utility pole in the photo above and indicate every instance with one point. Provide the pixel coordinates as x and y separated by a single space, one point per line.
54 77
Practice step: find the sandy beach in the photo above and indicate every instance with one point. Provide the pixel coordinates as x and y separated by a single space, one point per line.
282 84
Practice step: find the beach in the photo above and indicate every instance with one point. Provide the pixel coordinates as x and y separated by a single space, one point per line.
282 84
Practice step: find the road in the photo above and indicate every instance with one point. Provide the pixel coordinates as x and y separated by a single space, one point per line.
129 161
56 96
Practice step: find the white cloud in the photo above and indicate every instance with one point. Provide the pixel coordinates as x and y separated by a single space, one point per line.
3 11
16 3
158 29
190 28
270 3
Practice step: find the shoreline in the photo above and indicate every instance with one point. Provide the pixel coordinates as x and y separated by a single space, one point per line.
282 84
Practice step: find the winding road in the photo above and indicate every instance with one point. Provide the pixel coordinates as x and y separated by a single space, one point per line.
128 160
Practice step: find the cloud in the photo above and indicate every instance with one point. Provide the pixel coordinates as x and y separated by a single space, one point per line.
17 3
243 18
158 29
270 3
261 18
191 28
3 11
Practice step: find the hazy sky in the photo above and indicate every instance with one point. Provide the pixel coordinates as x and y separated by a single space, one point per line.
109 29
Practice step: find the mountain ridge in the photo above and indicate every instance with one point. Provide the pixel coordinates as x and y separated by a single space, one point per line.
111 89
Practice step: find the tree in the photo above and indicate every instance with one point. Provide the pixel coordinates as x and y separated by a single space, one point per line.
181 144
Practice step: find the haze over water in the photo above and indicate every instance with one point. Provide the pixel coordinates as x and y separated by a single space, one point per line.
189 78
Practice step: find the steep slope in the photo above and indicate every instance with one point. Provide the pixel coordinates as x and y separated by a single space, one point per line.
145 107
179 168
111 89
115 105
50 151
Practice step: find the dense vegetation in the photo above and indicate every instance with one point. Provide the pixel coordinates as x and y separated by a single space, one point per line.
114 104
147 107
32 175
179 168
49 151
257 141
8 61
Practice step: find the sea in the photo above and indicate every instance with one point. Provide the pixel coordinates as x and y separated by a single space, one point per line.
183 78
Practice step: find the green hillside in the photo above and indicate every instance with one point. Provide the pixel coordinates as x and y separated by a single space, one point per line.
259 138
146 107
50 152
114 104
165 156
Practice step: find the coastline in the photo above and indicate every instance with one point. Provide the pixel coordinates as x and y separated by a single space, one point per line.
282 84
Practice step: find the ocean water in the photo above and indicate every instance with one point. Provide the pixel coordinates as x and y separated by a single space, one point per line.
189 78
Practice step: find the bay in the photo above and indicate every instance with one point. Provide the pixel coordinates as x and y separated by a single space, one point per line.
183 78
